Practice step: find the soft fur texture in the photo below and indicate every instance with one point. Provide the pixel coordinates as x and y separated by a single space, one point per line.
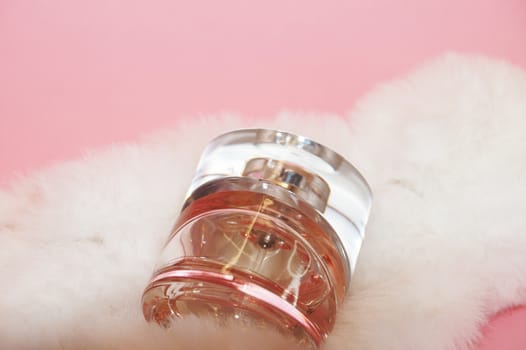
443 149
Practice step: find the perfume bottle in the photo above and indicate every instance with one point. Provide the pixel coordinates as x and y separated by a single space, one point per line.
268 236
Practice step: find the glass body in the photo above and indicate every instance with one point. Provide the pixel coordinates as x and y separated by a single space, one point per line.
255 251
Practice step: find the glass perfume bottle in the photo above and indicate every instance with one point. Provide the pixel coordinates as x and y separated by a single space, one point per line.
268 236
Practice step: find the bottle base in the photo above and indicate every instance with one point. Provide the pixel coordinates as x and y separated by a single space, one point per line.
230 298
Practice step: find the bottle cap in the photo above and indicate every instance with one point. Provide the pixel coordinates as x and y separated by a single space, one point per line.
314 172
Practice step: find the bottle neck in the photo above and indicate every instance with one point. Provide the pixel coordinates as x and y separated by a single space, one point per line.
306 185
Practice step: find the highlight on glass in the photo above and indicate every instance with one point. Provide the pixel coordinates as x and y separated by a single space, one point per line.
268 236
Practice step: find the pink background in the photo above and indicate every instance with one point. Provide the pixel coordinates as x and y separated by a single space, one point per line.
82 74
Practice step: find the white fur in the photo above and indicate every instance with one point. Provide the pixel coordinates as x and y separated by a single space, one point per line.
444 151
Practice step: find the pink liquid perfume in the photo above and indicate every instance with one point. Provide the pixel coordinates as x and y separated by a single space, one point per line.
268 236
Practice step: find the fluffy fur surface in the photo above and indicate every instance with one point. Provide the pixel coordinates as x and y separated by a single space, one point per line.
443 149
